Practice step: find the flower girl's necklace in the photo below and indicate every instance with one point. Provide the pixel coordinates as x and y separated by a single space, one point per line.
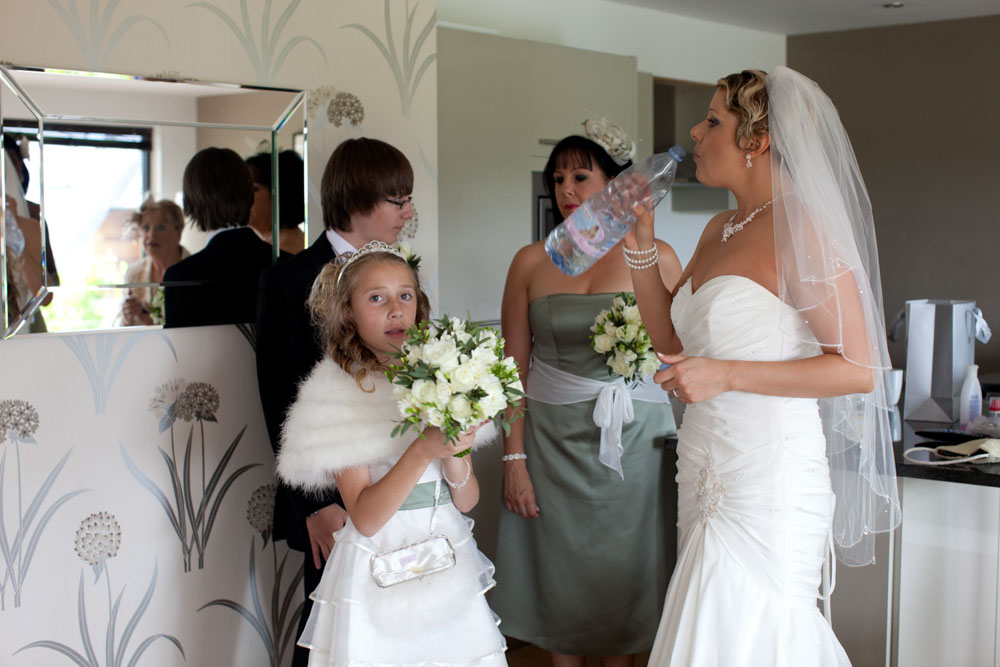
729 228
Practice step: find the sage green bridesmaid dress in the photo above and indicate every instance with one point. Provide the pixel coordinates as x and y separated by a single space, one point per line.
589 575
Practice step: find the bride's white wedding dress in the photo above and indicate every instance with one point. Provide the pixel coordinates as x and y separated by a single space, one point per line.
755 503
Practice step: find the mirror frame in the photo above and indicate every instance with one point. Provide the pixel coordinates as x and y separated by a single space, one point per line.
8 77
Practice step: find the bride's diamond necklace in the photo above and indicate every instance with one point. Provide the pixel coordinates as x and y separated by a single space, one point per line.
729 228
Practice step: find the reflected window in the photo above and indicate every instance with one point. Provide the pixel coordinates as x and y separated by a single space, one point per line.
96 176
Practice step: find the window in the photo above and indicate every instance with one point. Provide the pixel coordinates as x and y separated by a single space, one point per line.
95 177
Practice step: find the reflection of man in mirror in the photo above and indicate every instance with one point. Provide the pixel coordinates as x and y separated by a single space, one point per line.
218 193
291 203
366 190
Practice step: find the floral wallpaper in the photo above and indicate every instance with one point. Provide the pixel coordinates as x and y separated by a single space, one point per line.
136 530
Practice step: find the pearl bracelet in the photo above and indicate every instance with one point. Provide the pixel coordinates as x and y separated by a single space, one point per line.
468 474
639 253
640 264
513 457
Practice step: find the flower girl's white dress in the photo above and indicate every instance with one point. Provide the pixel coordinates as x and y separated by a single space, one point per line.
442 619
755 502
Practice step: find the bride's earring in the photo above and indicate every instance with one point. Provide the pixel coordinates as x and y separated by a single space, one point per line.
749 163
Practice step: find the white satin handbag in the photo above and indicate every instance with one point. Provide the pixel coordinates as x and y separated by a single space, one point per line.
417 560
413 561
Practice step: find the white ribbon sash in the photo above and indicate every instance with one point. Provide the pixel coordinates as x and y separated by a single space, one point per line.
547 384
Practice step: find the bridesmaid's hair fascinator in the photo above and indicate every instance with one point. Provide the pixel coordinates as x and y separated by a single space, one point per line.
612 138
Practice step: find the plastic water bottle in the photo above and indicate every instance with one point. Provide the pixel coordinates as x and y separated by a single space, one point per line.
601 221
971 398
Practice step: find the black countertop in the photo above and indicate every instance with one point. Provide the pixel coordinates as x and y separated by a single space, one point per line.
986 474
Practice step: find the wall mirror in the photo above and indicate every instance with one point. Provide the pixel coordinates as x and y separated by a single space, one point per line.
83 150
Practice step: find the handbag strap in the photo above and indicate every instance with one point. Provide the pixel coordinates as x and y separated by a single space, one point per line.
947 462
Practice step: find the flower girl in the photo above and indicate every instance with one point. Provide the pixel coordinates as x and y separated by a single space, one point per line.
405 583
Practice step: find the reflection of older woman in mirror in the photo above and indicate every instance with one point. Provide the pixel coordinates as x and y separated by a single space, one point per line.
160 224
291 203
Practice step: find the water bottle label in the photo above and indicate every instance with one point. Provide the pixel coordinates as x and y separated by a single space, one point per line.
586 232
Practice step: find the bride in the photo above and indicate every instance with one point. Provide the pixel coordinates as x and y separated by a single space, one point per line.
776 341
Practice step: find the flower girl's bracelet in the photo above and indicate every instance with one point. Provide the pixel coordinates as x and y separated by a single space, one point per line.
640 260
513 457
468 474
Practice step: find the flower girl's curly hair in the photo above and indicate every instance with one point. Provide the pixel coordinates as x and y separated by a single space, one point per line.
328 302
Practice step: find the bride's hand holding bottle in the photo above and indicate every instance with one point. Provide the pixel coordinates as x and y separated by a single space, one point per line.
642 235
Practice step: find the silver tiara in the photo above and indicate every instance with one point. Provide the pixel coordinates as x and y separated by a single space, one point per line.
612 138
345 259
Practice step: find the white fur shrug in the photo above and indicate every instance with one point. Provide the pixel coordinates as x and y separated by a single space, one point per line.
333 425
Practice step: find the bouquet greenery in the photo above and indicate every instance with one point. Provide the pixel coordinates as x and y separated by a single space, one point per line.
156 307
619 335
452 374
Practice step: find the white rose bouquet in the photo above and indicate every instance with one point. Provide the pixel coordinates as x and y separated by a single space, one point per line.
619 335
452 374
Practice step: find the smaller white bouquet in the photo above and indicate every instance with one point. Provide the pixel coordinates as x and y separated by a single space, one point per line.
620 336
452 374
156 307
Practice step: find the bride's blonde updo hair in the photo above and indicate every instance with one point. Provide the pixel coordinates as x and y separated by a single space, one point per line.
328 301
746 96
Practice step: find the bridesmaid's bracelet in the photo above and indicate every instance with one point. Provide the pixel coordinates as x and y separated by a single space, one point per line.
468 474
638 253
636 259
513 457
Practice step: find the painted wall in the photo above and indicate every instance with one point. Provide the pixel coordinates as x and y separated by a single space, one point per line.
664 44
915 100
498 98
102 526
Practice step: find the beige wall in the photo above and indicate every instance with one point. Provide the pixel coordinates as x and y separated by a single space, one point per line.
664 44
919 103
497 98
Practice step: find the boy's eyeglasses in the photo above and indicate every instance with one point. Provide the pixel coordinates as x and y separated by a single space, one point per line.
400 203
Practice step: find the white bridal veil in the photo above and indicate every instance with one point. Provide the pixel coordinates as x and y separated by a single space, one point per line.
827 265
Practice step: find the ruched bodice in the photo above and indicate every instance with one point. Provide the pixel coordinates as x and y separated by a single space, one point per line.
735 318
754 499
560 324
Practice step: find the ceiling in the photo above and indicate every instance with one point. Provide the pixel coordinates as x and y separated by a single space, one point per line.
795 17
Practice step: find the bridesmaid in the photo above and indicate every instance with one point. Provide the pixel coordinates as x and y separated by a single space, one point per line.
584 555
